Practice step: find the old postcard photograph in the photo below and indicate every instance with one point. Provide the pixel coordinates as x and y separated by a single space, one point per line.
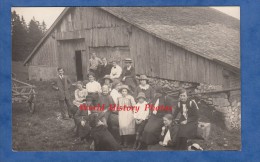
126 78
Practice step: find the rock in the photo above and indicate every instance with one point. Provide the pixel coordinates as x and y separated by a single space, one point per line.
219 95
221 102
234 103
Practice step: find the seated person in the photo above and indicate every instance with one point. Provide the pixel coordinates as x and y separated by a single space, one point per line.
116 71
80 94
141 118
108 81
169 135
189 115
93 88
114 93
103 140
128 75
106 100
154 124
81 120
105 69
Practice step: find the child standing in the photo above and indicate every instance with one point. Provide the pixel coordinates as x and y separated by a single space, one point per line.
126 118
141 117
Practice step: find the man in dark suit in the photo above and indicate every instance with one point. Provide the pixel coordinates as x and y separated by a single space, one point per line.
105 68
63 84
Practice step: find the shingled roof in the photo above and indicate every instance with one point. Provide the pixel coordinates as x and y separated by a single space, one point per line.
202 30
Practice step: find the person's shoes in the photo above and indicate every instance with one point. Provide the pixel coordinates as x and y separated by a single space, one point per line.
124 144
138 147
135 145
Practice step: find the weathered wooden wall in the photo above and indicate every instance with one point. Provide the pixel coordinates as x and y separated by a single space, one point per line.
158 58
66 57
47 53
41 72
92 29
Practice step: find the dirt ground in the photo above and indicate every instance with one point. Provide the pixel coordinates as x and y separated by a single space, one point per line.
45 131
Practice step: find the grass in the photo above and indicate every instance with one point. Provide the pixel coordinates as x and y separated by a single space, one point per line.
45 131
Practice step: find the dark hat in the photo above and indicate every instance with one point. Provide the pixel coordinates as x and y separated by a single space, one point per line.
108 77
141 95
116 82
128 60
124 87
91 73
143 77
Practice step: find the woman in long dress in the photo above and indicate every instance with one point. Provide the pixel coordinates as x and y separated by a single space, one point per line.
126 117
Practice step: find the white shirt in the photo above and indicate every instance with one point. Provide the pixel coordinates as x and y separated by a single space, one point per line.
115 72
145 87
115 95
61 76
128 68
156 105
93 87
142 113
167 137
185 110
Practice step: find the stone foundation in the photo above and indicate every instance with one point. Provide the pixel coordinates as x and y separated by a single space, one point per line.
226 102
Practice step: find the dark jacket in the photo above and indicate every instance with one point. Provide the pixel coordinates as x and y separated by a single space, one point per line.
174 129
192 111
188 130
105 70
107 100
130 78
63 87
164 100
82 115
154 125
103 139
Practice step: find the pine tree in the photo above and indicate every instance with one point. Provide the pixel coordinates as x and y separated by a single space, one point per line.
19 34
25 37
43 27
34 33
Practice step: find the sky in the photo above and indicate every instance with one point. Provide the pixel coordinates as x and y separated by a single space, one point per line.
50 14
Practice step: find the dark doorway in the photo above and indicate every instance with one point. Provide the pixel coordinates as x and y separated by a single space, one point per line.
78 65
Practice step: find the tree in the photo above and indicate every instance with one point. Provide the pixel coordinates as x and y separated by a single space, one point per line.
25 37
34 33
19 34
43 27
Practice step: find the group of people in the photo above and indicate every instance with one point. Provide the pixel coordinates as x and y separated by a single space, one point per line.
113 129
